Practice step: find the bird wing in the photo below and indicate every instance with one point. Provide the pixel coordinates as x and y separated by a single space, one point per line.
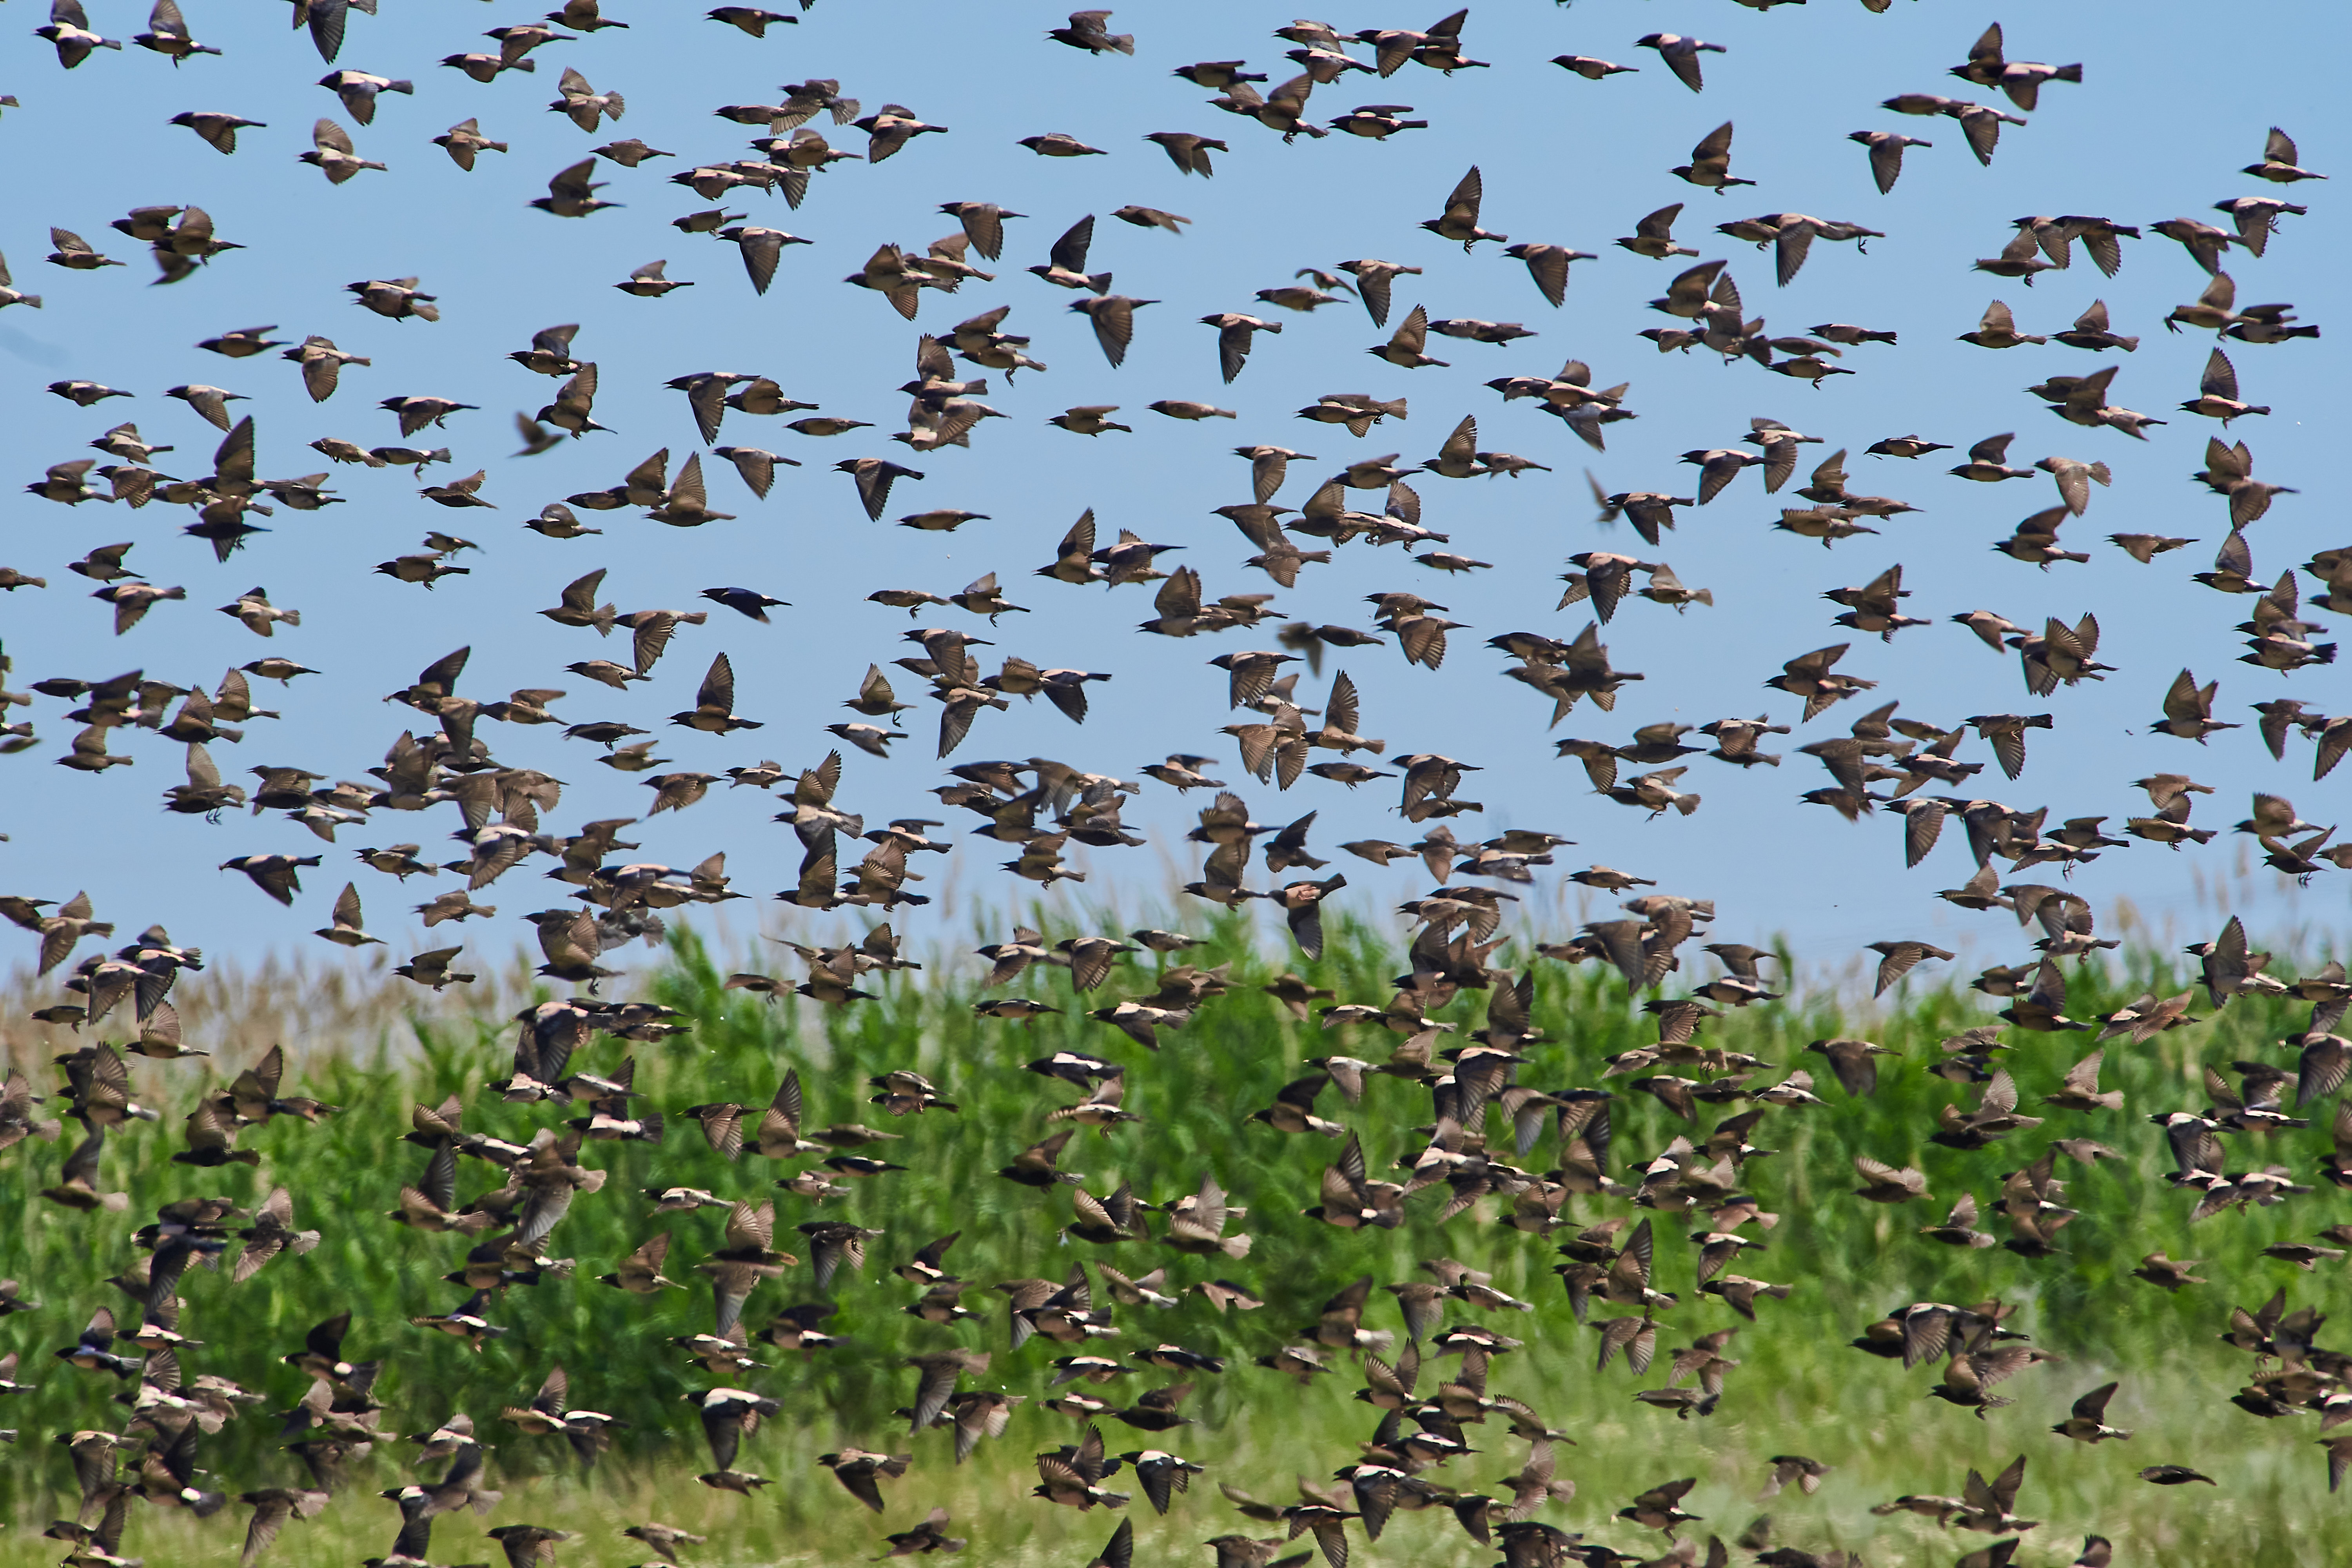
717 690
1467 195
1412 334
1069 252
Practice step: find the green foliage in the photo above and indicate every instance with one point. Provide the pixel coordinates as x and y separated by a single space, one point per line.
1798 1388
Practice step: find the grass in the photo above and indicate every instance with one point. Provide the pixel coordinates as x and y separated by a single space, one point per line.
1798 1389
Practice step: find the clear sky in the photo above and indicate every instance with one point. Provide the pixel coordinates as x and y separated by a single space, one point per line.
2157 130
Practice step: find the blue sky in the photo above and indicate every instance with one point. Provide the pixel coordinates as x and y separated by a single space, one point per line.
2148 137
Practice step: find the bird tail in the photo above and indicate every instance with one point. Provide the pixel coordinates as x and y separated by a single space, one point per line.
407 87
2069 73
1685 804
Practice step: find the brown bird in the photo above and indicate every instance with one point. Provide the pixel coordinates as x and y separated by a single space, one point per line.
1460 219
1710 165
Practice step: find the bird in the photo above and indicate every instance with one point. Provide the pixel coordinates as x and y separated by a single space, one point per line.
1059 145
1886 149
572 194
1710 165
1549 265
762 248
1681 55
345 931
875 476
69 31
332 154
1460 219
2087 1422
1590 67
1188 151
1996 328
1113 316
748 602
2174 1476
1236 332
1405 347
2021 81
2280 161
